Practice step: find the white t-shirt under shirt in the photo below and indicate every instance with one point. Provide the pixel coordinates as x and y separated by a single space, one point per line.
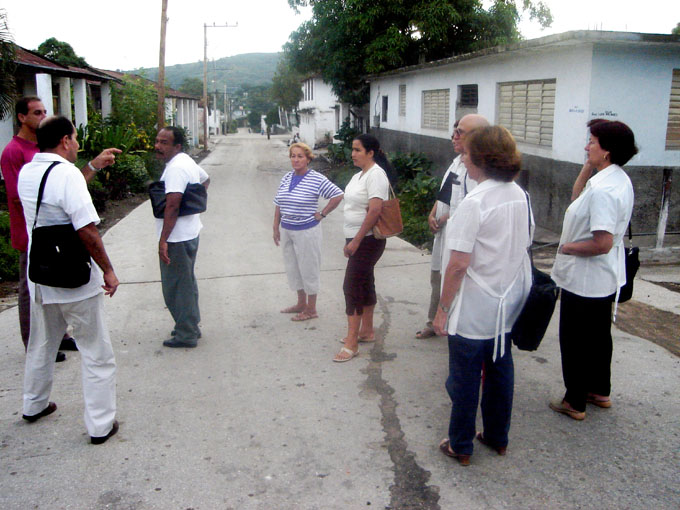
461 186
606 203
492 224
361 188
179 172
65 200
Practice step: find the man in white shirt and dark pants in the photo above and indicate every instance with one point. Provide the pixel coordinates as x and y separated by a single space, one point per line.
66 200
178 238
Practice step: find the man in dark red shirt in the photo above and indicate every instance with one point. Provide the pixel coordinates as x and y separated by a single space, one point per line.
29 112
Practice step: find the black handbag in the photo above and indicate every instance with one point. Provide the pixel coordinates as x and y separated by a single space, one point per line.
58 257
532 323
194 199
632 266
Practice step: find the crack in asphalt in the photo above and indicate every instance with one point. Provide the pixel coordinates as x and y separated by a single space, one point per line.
410 490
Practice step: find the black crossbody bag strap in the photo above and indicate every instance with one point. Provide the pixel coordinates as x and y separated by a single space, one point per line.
41 190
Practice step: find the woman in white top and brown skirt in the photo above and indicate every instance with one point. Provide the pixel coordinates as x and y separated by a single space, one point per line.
590 266
486 283
364 197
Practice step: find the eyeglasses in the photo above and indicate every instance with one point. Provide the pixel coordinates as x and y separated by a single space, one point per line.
457 133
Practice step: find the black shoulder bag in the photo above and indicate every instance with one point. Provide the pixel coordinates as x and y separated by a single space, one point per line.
632 266
533 320
194 199
58 257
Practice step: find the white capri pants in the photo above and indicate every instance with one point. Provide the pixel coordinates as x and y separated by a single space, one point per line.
98 365
302 258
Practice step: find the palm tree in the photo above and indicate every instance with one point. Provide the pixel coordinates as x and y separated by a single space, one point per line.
7 68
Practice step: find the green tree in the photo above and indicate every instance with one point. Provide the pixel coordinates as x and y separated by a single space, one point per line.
347 39
135 103
676 30
286 89
61 52
7 67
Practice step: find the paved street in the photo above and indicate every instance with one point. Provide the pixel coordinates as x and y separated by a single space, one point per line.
258 417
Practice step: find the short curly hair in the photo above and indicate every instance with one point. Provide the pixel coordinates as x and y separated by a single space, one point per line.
616 138
493 150
305 148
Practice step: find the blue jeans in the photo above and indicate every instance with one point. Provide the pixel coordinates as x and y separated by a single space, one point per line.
467 358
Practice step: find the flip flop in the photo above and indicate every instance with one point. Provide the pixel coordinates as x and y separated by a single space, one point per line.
347 351
603 402
303 316
425 333
445 448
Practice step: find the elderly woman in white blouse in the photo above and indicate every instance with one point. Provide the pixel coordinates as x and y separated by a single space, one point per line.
297 227
590 266
486 283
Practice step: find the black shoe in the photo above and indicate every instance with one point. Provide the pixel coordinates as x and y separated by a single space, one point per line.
173 333
51 407
68 344
173 342
60 357
104 439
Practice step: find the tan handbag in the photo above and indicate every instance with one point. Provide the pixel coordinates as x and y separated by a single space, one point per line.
389 222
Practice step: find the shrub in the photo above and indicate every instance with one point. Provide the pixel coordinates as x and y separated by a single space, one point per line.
9 257
127 175
416 197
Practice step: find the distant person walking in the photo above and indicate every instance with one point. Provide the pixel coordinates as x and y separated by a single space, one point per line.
590 266
178 238
364 197
66 200
297 227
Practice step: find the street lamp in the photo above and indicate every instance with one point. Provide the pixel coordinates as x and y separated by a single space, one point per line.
205 76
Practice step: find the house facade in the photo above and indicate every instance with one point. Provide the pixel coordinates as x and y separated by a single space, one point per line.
63 90
545 91
322 114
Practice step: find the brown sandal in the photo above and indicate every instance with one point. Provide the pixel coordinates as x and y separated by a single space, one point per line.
500 450
462 458
425 333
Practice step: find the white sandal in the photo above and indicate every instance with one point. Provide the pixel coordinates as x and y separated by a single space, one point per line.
351 353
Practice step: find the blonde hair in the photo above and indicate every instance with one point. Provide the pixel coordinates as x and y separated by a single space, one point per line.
305 148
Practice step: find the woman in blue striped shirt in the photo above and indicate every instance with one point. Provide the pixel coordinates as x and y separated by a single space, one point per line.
297 229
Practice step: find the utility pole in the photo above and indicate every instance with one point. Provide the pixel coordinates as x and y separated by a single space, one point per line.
161 68
205 77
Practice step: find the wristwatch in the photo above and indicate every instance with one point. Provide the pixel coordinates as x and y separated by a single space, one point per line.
91 167
445 309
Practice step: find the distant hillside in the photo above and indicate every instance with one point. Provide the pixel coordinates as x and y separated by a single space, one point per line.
248 68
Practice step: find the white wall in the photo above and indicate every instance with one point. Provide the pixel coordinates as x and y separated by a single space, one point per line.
633 85
321 120
570 66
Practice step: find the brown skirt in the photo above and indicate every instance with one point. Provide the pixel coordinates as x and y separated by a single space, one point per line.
359 284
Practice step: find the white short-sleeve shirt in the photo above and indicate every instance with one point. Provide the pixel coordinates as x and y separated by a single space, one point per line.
492 224
461 186
180 171
606 203
360 189
65 200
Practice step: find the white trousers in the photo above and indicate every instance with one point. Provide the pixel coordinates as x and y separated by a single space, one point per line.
48 325
302 258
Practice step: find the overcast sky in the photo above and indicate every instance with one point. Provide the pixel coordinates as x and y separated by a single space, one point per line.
125 34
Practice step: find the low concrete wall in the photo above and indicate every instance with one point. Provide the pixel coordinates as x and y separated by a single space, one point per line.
549 182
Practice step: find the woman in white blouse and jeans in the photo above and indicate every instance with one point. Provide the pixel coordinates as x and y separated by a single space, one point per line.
486 283
364 197
590 266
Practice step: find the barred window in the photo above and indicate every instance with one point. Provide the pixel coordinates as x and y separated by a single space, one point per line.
385 102
436 109
468 96
527 110
673 127
402 100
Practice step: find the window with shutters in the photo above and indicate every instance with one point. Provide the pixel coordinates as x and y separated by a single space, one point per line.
673 127
436 109
527 110
402 100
